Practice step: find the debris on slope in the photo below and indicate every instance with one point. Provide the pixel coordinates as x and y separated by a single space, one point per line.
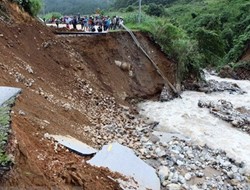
166 94
187 166
73 144
215 86
211 86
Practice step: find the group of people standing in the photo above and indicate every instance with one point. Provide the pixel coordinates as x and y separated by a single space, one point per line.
93 23
103 23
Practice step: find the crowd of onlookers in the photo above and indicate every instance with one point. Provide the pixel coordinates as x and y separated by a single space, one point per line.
91 23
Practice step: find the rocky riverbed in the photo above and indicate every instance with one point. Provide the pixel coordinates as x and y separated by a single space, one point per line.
211 154
179 163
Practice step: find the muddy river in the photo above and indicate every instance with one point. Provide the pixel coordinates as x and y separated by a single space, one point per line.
184 117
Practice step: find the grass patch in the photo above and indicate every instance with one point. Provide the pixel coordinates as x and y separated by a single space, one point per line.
242 64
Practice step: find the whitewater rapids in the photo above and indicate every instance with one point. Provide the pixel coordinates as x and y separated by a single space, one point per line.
183 116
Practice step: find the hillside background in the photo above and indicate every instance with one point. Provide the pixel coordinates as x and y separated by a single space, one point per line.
75 6
196 34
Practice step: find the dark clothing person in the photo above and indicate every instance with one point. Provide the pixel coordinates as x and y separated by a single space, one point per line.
74 22
57 23
99 29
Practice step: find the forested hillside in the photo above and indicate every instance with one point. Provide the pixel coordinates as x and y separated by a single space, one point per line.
125 3
194 33
75 6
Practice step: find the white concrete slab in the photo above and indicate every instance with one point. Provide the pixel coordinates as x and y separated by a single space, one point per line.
8 92
73 144
121 159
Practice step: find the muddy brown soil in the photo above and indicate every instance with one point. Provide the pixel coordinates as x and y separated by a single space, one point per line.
64 82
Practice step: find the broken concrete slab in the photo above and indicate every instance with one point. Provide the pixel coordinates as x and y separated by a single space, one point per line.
73 144
7 93
121 159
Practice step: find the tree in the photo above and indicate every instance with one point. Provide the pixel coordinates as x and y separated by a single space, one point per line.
155 10
211 45
33 7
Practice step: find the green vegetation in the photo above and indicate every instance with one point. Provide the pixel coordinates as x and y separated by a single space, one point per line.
33 7
155 10
4 131
74 7
241 64
52 15
196 34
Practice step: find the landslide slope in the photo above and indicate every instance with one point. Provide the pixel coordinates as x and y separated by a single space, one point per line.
68 84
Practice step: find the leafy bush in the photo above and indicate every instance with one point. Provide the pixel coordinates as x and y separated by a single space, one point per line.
130 8
176 44
227 35
242 64
4 159
239 48
208 21
155 10
33 7
4 127
211 45
52 15
168 35
242 25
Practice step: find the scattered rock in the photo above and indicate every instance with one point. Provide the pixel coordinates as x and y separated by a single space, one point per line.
29 69
215 86
67 106
163 173
166 94
173 186
123 65
188 176
21 112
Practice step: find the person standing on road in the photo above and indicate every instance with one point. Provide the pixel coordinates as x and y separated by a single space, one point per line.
74 22
82 23
57 23
114 22
86 23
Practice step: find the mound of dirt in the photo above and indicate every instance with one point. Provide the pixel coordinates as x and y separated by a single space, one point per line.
68 83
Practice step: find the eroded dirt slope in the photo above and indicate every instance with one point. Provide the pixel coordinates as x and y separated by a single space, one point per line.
68 83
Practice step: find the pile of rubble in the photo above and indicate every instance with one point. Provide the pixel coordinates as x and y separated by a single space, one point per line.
225 110
179 163
215 86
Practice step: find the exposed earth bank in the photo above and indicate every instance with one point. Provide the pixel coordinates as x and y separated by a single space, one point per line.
68 84
238 71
